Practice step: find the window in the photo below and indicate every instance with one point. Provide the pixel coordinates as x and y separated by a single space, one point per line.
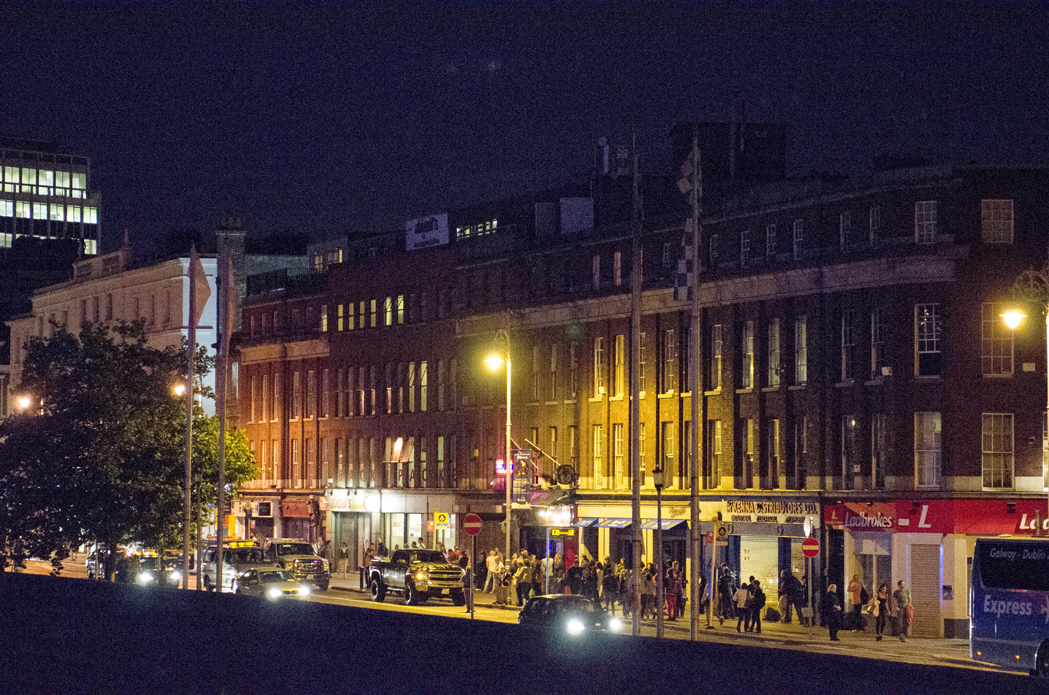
926 221
927 452
747 363
617 268
715 357
744 247
669 255
641 366
772 475
669 361
573 446
325 393
622 476
997 449
619 366
296 391
848 344
597 271
400 309
875 225
770 241
801 351
844 230
668 449
311 393
879 450
799 230
275 449
747 448
996 222
278 398
553 371
877 342
573 370
265 397
996 341
373 385
374 313
713 255
773 358
296 463
850 463
324 318
254 392
599 464
801 448
927 334
599 367
713 477
423 378
641 448
388 305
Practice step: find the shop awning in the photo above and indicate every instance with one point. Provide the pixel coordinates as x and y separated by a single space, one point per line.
667 524
586 521
613 523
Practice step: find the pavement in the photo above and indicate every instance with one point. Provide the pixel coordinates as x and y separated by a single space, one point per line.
789 635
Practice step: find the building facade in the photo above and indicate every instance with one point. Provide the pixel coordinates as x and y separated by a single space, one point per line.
854 373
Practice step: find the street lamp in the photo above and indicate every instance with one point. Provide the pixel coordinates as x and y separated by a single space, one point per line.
658 480
494 361
24 402
1033 286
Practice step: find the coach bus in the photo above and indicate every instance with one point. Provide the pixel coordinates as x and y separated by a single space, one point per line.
1009 602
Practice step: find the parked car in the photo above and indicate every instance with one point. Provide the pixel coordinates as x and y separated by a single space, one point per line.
297 557
572 615
147 570
271 583
237 557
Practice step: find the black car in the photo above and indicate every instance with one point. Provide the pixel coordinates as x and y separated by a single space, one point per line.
572 615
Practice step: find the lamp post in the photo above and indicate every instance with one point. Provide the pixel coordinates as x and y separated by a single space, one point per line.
1033 286
494 362
658 480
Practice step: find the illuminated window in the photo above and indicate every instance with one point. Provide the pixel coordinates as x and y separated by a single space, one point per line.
39 211
58 213
91 215
45 181
23 209
73 213
7 208
28 180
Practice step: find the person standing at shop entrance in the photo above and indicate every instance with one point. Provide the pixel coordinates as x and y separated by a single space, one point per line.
832 609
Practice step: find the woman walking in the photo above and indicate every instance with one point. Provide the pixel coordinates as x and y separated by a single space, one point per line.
881 611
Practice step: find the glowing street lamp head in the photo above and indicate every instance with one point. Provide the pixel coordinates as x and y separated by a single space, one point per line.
179 389
494 362
1013 318
24 402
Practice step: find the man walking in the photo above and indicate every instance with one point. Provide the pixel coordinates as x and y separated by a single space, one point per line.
902 598
757 603
492 563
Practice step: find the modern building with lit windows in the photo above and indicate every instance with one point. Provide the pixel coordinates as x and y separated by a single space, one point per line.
855 373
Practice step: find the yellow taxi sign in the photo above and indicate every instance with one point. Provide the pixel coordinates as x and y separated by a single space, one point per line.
440 520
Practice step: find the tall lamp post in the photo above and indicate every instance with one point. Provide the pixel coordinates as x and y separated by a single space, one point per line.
658 479
1033 286
494 362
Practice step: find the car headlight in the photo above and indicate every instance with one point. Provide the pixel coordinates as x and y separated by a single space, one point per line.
304 591
175 576
144 578
421 576
615 624
575 627
325 565
273 592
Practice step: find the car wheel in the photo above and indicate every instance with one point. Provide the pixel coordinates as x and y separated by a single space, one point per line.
378 591
323 587
1041 661
459 599
411 596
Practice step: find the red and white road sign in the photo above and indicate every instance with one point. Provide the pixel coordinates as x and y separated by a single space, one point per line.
810 547
472 524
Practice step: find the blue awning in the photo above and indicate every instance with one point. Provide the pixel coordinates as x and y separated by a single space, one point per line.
614 523
586 521
667 524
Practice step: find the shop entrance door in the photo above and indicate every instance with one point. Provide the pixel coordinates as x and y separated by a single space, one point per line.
925 590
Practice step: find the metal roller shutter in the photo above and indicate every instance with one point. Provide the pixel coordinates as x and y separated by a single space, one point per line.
759 556
925 590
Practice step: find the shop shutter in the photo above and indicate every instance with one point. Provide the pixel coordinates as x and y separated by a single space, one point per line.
759 556
925 590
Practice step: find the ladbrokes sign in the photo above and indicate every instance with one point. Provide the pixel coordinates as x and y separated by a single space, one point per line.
974 517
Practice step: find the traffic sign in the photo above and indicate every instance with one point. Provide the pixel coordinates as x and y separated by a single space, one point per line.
810 547
720 535
440 519
472 524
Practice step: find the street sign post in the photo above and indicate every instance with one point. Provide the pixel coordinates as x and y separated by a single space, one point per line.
440 520
472 526
810 547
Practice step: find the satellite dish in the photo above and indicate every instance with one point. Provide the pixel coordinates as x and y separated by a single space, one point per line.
565 475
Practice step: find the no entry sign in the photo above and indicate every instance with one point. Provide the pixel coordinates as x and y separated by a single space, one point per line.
472 524
810 547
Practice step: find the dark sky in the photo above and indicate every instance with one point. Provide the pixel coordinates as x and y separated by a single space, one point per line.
329 120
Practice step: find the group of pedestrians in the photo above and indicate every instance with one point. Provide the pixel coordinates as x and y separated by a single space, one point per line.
881 606
749 600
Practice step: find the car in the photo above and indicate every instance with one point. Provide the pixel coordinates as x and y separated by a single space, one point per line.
296 556
572 615
147 570
237 557
271 583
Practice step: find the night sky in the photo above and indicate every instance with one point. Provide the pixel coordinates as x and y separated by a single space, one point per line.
330 120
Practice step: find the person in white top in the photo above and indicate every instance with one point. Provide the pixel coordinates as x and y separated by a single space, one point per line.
495 568
742 599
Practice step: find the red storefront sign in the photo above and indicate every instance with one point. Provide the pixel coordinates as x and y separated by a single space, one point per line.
295 508
969 517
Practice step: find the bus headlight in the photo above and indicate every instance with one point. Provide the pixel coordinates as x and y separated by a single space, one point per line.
575 627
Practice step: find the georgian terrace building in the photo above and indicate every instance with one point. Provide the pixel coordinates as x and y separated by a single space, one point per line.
854 368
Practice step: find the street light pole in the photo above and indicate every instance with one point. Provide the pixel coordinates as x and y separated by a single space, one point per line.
1033 286
658 480
494 362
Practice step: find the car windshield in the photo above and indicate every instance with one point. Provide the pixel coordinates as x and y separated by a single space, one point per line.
434 556
244 555
273 576
294 549
149 563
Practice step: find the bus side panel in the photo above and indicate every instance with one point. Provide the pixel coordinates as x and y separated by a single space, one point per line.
1008 626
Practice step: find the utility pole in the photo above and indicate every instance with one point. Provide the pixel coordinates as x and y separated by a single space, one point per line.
635 403
697 392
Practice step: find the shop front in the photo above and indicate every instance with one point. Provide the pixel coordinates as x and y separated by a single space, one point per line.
929 545
297 519
254 518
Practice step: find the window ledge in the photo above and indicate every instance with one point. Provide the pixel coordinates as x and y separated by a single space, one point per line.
770 389
998 376
880 381
715 392
845 384
596 399
616 398
668 394
533 403
749 389
570 401
552 402
929 377
797 387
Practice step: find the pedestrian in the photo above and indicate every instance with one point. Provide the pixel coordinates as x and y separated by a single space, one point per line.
855 592
742 600
704 600
648 593
757 604
574 577
672 589
609 588
902 598
786 590
491 562
524 581
344 558
832 609
881 611
590 580
801 600
557 584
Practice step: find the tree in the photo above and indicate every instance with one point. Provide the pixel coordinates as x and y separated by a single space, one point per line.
100 454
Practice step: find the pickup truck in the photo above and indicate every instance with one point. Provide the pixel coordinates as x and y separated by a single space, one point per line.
296 557
417 575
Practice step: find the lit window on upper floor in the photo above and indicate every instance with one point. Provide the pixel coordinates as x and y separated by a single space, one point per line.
73 213
996 221
91 215
474 230
926 221
90 247
7 208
